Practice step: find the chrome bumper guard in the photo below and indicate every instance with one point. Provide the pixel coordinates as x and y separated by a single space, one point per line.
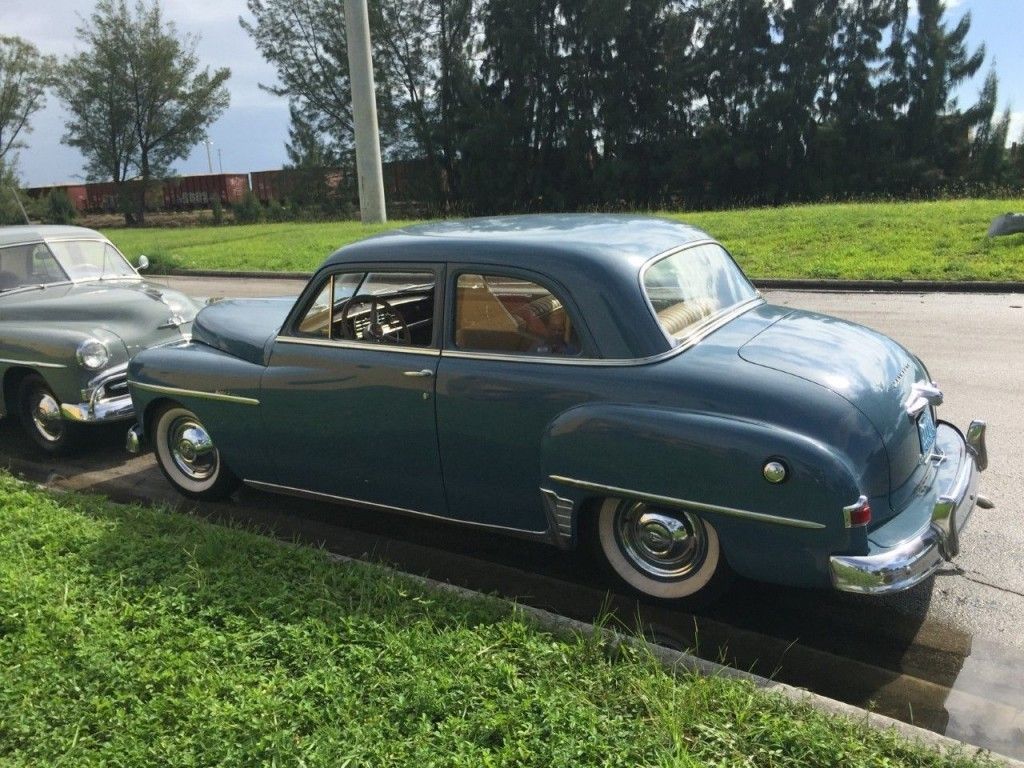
98 404
913 560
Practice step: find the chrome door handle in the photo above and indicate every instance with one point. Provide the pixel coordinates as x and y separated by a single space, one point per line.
425 373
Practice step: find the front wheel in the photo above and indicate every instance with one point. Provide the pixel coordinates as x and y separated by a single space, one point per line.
40 416
187 456
661 553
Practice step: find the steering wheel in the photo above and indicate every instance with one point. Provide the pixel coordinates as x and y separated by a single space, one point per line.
375 330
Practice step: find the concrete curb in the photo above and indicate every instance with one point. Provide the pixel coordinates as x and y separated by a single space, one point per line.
793 284
678 661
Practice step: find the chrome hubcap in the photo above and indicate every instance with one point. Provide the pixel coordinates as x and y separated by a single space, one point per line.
46 416
664 544
192 449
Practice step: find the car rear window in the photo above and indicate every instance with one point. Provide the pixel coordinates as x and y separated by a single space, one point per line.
689 287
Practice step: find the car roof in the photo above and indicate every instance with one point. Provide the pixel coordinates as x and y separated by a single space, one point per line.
596 257
33 233
532 241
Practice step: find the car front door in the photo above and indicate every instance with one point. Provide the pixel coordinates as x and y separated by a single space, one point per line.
348 396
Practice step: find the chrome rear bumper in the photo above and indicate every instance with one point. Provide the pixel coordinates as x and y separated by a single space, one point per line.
913 560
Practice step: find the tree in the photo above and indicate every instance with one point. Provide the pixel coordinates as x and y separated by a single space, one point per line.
147 101
25 75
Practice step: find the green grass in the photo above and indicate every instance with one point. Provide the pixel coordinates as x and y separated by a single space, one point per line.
132 637
920 241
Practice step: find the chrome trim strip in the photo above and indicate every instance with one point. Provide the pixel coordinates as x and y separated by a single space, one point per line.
222 396
687 504
33 363
347 344
318 496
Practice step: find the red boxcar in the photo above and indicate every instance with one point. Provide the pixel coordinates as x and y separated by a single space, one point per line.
75 192
200 191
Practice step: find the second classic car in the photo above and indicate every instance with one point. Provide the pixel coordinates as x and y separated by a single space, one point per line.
72 312
606 379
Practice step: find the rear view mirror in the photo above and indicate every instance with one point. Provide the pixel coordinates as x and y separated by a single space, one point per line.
143 263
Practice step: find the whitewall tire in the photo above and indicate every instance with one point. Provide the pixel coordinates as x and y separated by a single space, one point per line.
658 552
187 456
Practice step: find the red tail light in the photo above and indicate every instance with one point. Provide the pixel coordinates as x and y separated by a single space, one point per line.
857 514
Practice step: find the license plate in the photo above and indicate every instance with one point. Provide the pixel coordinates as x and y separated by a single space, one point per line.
926 430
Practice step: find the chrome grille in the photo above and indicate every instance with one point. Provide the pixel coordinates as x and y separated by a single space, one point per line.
115 386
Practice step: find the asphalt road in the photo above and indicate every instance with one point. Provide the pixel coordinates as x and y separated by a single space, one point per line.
948 655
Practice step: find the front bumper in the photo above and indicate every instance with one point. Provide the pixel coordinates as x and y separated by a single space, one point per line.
105 398
914 559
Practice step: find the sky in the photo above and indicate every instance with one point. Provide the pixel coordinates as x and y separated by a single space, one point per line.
251 135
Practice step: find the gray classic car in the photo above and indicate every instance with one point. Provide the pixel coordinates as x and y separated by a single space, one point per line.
73 311
608 380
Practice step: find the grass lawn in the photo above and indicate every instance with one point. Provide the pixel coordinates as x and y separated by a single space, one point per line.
134 637
922 241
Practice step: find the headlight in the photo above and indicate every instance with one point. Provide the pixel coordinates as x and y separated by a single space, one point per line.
93 354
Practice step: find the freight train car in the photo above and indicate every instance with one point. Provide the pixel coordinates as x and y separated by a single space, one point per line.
76 194
199 191
290 183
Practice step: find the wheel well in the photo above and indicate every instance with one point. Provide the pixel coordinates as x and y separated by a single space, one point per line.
12 380
586 512
151 410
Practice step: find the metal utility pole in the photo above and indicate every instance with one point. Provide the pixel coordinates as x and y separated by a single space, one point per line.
209 160
364 114
220 160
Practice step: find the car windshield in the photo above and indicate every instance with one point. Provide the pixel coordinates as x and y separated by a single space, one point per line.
692 285
91 260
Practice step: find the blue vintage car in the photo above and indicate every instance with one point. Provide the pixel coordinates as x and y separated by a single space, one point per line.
611 380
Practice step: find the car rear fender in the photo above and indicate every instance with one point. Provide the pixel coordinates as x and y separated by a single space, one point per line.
712 465
222 390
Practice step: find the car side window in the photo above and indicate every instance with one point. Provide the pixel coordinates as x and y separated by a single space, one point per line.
506 314
393 308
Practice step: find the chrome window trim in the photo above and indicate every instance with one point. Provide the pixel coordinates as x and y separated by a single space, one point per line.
222 396
318 496
687 504
350 344
32 363
698 330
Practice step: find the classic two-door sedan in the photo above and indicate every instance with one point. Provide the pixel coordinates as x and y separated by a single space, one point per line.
606 379
72 312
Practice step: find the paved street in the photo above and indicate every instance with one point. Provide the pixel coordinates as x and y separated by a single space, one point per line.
947 655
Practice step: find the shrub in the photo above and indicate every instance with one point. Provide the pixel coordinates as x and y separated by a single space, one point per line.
217 211
59 208
249 210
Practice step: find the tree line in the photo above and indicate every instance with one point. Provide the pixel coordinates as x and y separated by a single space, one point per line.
566 104
559 104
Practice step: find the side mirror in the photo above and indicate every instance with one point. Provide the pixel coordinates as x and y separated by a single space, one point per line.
143 263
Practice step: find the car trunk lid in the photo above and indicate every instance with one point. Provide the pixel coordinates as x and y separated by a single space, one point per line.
871 371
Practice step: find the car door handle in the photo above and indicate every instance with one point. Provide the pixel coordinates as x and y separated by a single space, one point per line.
425 373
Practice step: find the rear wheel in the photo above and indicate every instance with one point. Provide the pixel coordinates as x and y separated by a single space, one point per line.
187 456
40 416
661 553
